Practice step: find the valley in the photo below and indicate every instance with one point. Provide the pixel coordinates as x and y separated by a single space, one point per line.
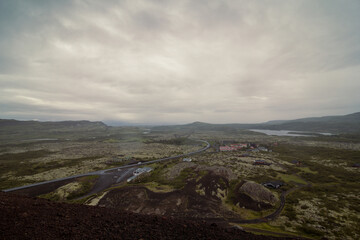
311 181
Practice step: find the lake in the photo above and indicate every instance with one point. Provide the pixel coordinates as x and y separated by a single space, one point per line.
289 133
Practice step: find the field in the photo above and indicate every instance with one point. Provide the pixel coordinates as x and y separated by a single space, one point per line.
318 198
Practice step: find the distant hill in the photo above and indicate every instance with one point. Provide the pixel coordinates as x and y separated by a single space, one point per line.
61 124
25 130
333 124
201 126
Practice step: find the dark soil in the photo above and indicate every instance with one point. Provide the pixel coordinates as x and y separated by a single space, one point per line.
185 202
32 218
180 203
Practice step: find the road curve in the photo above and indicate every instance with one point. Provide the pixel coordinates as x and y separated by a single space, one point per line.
111 169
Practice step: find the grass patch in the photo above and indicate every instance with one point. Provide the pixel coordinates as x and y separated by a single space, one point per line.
112 141
267 227
73 190
155 187
290 178
87 183
307 170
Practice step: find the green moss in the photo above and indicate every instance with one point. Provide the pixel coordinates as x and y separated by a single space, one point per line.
309 230
290 178
87 183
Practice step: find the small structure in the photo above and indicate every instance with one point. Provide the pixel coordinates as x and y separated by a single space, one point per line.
138 172
261 162
187 159
225 148
357 165
296 162
273 184
263 149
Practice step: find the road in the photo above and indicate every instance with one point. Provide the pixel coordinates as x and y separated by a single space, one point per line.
107 171
108 179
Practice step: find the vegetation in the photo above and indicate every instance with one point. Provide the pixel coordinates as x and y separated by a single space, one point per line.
71 191
326 204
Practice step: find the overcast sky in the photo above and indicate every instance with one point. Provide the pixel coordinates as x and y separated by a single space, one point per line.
178 61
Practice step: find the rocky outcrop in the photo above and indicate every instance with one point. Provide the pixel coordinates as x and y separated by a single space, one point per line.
258 192
254 196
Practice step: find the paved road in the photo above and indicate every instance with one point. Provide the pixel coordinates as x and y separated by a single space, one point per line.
108 179
101 172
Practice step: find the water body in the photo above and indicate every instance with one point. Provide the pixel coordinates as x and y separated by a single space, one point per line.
289 133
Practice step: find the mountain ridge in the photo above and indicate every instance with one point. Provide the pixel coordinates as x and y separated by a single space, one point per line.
349 123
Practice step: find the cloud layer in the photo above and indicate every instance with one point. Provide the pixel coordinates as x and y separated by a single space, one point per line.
178 61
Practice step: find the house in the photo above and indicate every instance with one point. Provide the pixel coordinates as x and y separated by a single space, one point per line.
296 162
225 148
253 145
187 159
263 149
138 172
261 162
273 184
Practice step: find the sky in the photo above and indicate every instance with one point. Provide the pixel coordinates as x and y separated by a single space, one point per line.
173 62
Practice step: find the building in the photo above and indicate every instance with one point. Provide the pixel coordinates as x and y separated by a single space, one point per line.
225 148
263 149
296 162
187 159
138 172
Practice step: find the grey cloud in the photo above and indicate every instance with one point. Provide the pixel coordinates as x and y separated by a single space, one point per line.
146 61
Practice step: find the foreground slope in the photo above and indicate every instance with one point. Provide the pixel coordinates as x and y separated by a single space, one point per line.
31 218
